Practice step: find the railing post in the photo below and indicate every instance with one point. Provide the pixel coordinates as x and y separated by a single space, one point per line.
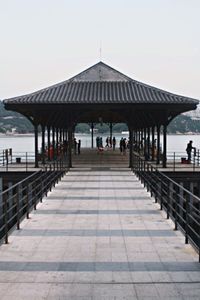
19 198
3 158
29 199
5 210
26 161
174 162
194 161
161 194
186 218
34 195
175 197
168 198
41 188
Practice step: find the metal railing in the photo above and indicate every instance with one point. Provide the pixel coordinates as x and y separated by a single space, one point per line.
25 161
17 201
180 205
178 159
6 156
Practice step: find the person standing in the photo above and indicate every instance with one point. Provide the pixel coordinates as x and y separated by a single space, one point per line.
124 145
114 143
75 146
121 145
189 150
79 147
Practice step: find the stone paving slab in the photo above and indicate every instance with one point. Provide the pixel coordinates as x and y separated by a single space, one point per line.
98 235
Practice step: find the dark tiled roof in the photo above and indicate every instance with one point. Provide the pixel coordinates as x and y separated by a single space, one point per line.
101 84
100 92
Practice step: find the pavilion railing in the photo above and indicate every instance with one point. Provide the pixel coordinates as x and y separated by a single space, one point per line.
180 205
177 160
17 201
11 161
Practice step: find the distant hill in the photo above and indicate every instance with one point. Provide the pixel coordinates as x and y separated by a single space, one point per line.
14 122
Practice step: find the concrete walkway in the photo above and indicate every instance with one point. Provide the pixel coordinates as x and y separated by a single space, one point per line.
98 235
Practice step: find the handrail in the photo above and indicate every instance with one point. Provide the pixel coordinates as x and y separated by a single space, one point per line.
17 201
182 206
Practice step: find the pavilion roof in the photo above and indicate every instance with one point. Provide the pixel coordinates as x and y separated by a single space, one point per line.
101 84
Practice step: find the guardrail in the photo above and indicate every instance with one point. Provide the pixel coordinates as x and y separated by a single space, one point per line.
17 201
180 205
5 156
25 161
178 159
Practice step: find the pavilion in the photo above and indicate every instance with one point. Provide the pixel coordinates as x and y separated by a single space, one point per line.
102 94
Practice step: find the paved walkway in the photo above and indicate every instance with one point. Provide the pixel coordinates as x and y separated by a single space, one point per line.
98 235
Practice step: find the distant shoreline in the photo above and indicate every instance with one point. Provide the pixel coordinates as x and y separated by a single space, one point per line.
80 133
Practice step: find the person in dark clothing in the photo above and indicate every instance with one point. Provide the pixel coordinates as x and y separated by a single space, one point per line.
189 150
79 147
121 145
75 146
114 143
107 140
124 146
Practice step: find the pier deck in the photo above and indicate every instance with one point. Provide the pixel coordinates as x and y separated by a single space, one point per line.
98 235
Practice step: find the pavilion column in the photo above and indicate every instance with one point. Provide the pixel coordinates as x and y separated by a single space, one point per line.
111 127
64 134
153 144
43 144
164 146
36 145
139 140
53 142
49 141
148 142
130 147
145 143
70 148
158 145
92 135
57 142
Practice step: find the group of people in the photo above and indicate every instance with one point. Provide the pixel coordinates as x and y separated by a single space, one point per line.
123 145
110 142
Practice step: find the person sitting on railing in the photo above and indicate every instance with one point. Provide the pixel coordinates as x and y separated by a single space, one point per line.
189 150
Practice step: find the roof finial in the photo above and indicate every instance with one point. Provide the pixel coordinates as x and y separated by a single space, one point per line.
100 51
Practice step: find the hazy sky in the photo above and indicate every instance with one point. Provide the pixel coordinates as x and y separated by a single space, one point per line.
43 42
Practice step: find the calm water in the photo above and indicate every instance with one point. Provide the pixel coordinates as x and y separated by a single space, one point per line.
175 143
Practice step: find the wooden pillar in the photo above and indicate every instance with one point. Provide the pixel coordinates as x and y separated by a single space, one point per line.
139 140
111 126
130 147
164 146
148 143
70 148
36 145
1 191
145 143
53 141
92 135
43 144
158 145
57 142
60 135
153 144
48 141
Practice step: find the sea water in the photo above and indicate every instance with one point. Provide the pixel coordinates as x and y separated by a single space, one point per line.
25 143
